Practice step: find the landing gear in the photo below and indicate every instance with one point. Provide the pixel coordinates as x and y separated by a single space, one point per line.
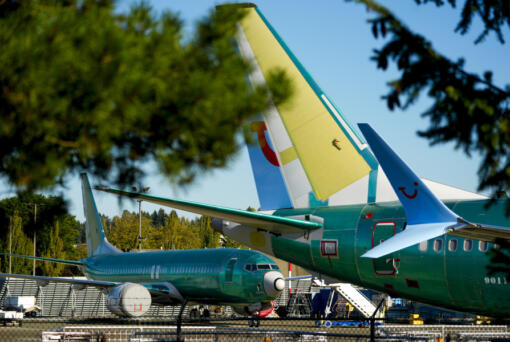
206 314
199 312
254 322
194 314
179 320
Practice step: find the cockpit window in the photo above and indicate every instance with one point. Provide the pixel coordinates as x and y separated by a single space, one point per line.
274 267
249 267
263 267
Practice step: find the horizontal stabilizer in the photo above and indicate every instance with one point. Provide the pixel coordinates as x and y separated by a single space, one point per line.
412 235
266 221
61 261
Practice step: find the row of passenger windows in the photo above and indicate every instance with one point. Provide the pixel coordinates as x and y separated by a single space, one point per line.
467 246
253 267
176 268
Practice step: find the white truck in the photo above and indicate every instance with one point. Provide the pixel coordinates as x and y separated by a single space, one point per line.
24 304
11 317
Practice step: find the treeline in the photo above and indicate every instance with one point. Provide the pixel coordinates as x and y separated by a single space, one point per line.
60 235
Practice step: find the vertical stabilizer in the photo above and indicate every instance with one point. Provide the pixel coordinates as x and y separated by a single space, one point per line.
321 159
96 239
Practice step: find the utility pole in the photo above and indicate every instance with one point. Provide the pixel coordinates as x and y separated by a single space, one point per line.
35 236
10 245
140 225
35 232
140 238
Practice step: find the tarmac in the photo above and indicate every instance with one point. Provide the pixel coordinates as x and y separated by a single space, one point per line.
153 328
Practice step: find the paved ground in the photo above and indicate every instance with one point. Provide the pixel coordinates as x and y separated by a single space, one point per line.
231 330
31 329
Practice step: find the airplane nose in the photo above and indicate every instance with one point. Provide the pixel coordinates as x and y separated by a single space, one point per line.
273 283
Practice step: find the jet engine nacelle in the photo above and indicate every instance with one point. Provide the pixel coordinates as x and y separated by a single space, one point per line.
254 309
128 300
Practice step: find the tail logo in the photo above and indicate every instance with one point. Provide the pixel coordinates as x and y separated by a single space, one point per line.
403 190
260 128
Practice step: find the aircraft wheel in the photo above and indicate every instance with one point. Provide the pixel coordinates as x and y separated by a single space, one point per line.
194 314
206 313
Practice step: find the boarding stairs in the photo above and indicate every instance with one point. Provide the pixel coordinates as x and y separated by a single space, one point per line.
356 299
299 305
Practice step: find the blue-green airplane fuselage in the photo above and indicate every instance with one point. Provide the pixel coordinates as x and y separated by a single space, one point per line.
448 271
204 275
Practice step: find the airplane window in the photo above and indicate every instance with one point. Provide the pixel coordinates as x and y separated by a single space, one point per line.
438 245
452 245
483 246
468 245
274 267
247 267
423 246
263 267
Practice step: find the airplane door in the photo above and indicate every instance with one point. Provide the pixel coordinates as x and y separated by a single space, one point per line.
388 264
229 272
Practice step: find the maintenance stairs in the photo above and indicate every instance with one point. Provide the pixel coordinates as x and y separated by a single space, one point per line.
356 299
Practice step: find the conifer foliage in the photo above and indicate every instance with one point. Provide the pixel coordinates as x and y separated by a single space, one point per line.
467 109
83 86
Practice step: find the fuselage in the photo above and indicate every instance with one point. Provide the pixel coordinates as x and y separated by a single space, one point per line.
223 276
448 271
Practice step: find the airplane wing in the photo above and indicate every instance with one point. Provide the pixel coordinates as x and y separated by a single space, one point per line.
266 221
44 279
427 217
161 293
61 261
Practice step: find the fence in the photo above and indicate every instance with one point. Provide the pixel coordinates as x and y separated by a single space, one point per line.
270 329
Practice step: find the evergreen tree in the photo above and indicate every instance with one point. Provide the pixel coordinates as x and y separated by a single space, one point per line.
55 250
84 86
466 108
21 244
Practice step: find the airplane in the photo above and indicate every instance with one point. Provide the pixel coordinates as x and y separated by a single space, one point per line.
330 205
246 280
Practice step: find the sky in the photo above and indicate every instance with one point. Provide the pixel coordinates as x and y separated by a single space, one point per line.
334 43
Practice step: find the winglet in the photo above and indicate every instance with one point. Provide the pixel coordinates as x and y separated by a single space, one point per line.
427 217
420 204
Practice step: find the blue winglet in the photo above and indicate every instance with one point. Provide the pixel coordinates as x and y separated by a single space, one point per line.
420 204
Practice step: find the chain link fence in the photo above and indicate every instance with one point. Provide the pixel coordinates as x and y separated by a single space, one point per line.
238 329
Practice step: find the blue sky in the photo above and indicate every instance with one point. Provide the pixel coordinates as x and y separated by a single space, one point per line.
334 43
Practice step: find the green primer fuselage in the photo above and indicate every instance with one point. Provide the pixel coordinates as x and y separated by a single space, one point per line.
440 275
204 275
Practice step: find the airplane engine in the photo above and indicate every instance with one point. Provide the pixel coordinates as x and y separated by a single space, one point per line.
128 300
254 309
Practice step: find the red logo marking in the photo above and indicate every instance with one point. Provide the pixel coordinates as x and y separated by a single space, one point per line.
139 307
260 128
403 190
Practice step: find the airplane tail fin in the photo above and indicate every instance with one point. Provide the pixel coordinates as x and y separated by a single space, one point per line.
97 244
306 147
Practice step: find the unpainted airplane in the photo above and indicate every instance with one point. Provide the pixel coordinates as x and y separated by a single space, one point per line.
246 280
331 207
